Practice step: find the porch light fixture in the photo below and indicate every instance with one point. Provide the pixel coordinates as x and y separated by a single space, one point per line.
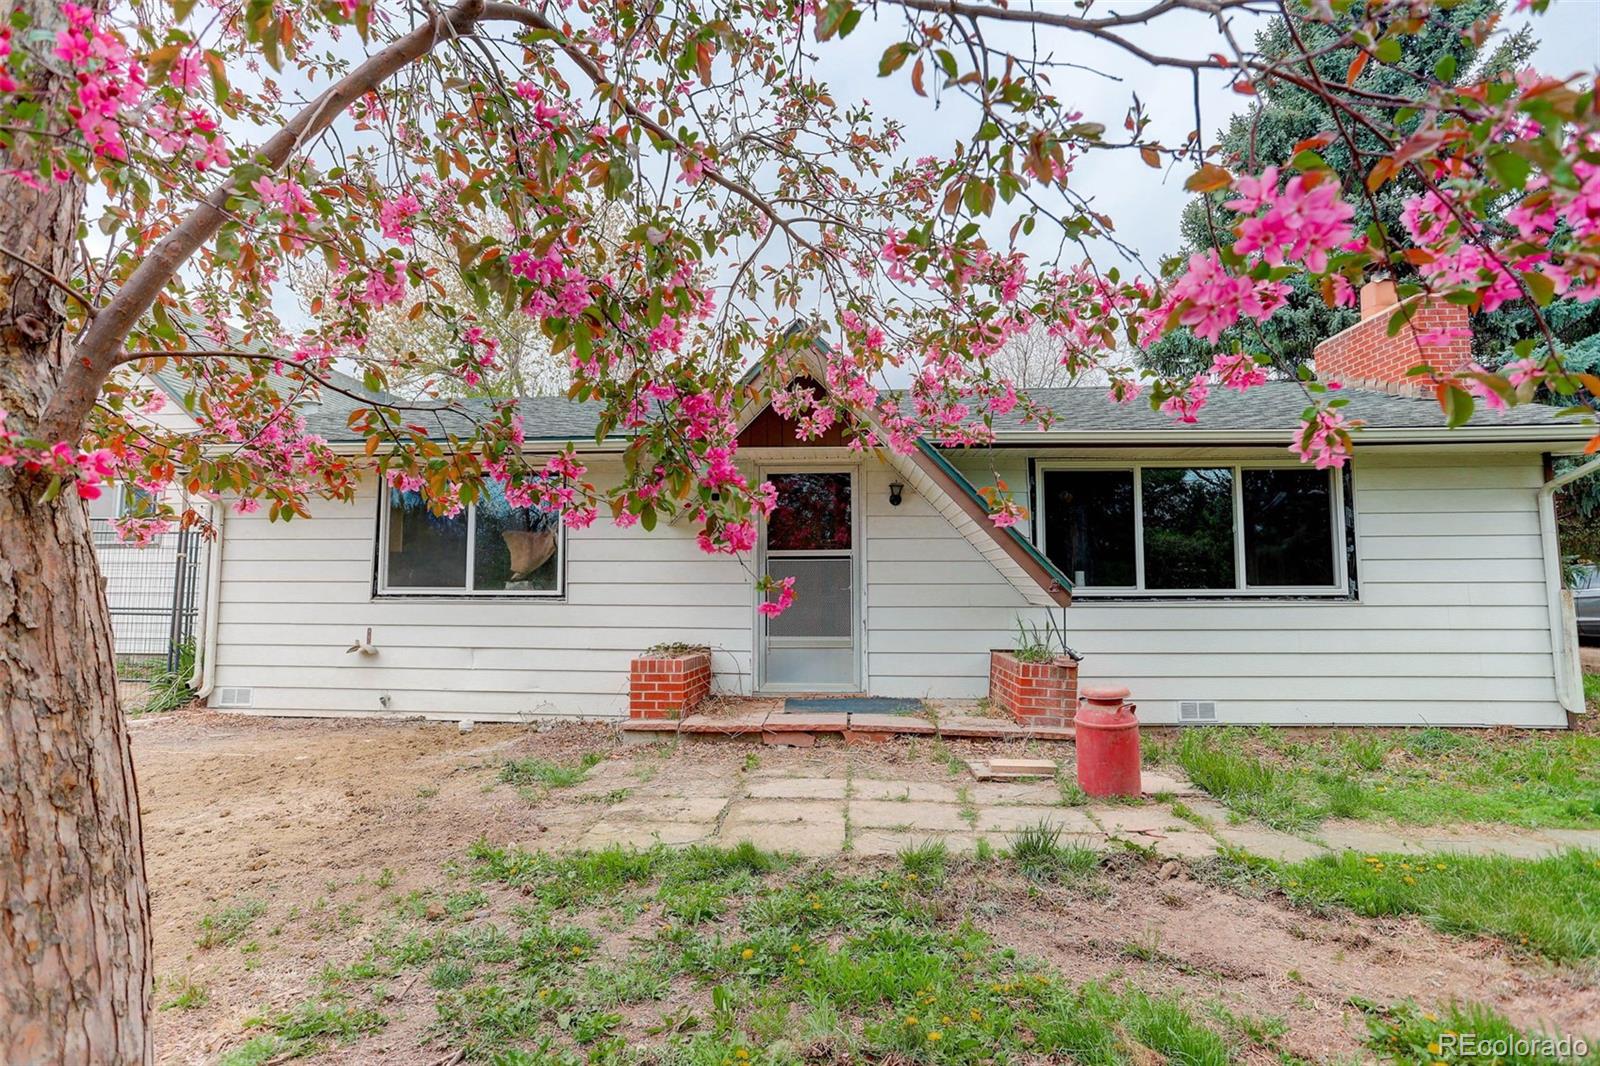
895 489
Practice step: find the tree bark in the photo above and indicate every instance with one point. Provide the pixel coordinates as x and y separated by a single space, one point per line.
75 978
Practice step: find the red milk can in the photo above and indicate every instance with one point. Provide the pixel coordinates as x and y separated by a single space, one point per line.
1108 743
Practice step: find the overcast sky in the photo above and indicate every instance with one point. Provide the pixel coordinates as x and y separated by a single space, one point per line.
1143 202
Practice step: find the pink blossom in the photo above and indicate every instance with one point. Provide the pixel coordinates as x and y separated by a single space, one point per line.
395 217
246 505
1185 406
1323 440
1238 370
1302 223
383 290
773 608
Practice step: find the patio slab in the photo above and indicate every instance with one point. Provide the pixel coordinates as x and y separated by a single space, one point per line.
962 726
890 842
926 791
645 834
1012 819
912 814
785 813
800 788
1008 793
890 723
1269 843
809 838
659 808
725 724
809 722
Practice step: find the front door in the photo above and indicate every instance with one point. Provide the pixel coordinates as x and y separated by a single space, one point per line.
811 537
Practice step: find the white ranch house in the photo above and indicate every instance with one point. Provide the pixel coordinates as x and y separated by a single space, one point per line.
1201 566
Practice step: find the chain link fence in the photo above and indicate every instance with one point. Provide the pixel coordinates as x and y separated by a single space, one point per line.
153 591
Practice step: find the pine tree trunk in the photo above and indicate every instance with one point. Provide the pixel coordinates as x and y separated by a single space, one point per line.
75 979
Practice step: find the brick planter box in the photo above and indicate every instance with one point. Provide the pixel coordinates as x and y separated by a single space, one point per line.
668 685
1035 694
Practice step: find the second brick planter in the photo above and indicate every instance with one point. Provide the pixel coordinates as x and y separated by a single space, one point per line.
668 685
1036 694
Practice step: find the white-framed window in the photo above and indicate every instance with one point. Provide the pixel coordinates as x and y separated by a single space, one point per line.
1196 529
488 549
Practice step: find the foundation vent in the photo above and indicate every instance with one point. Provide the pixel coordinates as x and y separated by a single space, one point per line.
1197 711
234 697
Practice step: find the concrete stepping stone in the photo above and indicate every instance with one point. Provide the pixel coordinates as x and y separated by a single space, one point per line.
1269 843
960 726
889 723
1012 819
800 788
661 808
913 816
731 725
644 834
887 842
925 791
808 722
1168 782
811 839
1006 793
1364 838
789 815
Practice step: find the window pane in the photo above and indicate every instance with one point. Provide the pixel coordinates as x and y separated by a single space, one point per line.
514 549
1188 528
1088 526
1288 527
812 513
426 551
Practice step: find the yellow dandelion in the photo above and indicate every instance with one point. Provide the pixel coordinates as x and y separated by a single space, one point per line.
1433 1049
911 1019
742 1053
975 1013
935 1036
944 1019
747 953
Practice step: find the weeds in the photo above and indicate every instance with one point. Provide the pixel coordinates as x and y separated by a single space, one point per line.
184 994
530 772
1038 852
229 925
1409 1034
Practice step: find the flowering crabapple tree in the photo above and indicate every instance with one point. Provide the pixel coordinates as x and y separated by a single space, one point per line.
168 162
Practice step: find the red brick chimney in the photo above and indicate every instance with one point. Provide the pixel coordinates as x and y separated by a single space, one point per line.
1367 356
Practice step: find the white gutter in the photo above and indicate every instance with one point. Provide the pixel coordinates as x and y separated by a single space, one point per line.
1178 437
205 673
1563 638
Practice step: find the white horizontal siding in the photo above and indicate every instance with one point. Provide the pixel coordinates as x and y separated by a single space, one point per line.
1450 627
295 596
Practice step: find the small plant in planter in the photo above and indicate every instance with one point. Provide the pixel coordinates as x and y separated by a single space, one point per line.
1036 645
1037 681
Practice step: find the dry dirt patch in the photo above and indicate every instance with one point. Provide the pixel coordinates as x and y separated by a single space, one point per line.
329 823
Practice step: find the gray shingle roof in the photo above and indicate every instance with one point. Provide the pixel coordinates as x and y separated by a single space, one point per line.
1273 406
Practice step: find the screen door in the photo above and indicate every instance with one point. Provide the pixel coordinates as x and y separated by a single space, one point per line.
810 536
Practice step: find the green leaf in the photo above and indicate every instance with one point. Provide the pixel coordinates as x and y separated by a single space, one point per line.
894 57
1457 406
647 518
1543 289
1510 169
1445 69
1388 50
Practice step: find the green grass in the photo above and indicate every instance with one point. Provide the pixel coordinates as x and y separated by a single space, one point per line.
1550 906
1591 689
533 772
306 1030
1408 1034
184 994
1419 777
230 924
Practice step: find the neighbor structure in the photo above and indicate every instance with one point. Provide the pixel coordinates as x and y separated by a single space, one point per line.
1202 566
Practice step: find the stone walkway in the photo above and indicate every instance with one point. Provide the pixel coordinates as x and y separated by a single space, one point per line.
780 809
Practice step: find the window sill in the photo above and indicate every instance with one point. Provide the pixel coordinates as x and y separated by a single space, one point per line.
473 597
1086 598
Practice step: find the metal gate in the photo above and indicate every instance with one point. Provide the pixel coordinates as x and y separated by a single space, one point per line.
153 591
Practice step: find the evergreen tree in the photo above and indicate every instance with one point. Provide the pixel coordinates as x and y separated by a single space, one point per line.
1286 114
